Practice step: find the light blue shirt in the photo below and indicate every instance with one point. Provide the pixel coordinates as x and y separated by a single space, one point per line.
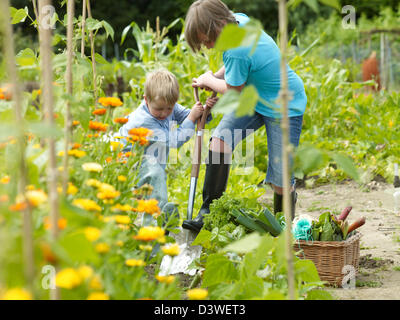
262 69
166 134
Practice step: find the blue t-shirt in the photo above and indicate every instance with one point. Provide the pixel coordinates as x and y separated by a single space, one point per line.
262 69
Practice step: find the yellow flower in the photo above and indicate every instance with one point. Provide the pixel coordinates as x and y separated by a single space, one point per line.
122 178
61 153
122 219
85 272
68 278
98 296
391 123
119 243
120 207
36 197
95 283
93 183
72 189
110 101
115 145
165 279
135 263
171 250
86 204
17 294
197 294
77 153
149 233
149 206
5 180
109 194
145 247
92 233
92 167
102 247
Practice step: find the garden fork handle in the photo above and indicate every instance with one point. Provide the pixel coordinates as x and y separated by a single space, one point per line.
196 160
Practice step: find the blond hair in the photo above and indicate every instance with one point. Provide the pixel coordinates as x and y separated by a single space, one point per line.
161 85
207 17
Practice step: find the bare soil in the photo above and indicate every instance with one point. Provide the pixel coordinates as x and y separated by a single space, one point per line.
379 265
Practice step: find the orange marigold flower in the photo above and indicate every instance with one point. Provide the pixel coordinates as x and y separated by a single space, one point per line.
19 206
140 132
4 198
99 112
75 123
108 159
149 206
61 223
121 120
76 145
110 101
97 126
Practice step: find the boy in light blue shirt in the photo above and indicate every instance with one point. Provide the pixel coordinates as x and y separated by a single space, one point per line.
160 112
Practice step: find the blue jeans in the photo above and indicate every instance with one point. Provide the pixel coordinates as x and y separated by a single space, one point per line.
232 130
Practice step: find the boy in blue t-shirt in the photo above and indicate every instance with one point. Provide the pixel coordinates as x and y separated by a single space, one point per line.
261 68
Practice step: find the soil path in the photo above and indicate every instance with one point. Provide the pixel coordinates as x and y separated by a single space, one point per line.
379 267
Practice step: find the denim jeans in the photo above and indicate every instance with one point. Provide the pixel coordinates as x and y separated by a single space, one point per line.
232 130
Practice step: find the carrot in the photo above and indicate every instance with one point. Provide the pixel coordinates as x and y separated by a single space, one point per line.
358 223
345 213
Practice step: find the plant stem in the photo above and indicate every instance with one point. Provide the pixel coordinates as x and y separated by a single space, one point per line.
48 102
284 99
91 37
69 80
9 55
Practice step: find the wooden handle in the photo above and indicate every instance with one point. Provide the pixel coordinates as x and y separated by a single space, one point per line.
199 136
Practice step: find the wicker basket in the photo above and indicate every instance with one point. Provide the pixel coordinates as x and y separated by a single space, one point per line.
331 256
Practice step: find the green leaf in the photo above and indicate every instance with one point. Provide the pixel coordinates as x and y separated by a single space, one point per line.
306 271
219 269
26 57
99 59
93 24
203 239
74 247
247 101
125 33
231 37
308 158
318 294
332 3
109 29
45 130
18 15
347 165
228 103
245 245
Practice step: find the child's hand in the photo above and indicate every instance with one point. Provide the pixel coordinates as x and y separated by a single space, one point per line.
210 102
203 81
196 112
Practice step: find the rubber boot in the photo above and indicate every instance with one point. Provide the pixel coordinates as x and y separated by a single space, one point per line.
216 178
278 206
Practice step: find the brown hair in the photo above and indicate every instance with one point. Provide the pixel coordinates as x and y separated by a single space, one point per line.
207 17
161 85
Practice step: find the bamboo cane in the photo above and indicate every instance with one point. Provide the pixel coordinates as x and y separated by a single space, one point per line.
9 55
284 98
89 12
69 80
83 28
48 101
